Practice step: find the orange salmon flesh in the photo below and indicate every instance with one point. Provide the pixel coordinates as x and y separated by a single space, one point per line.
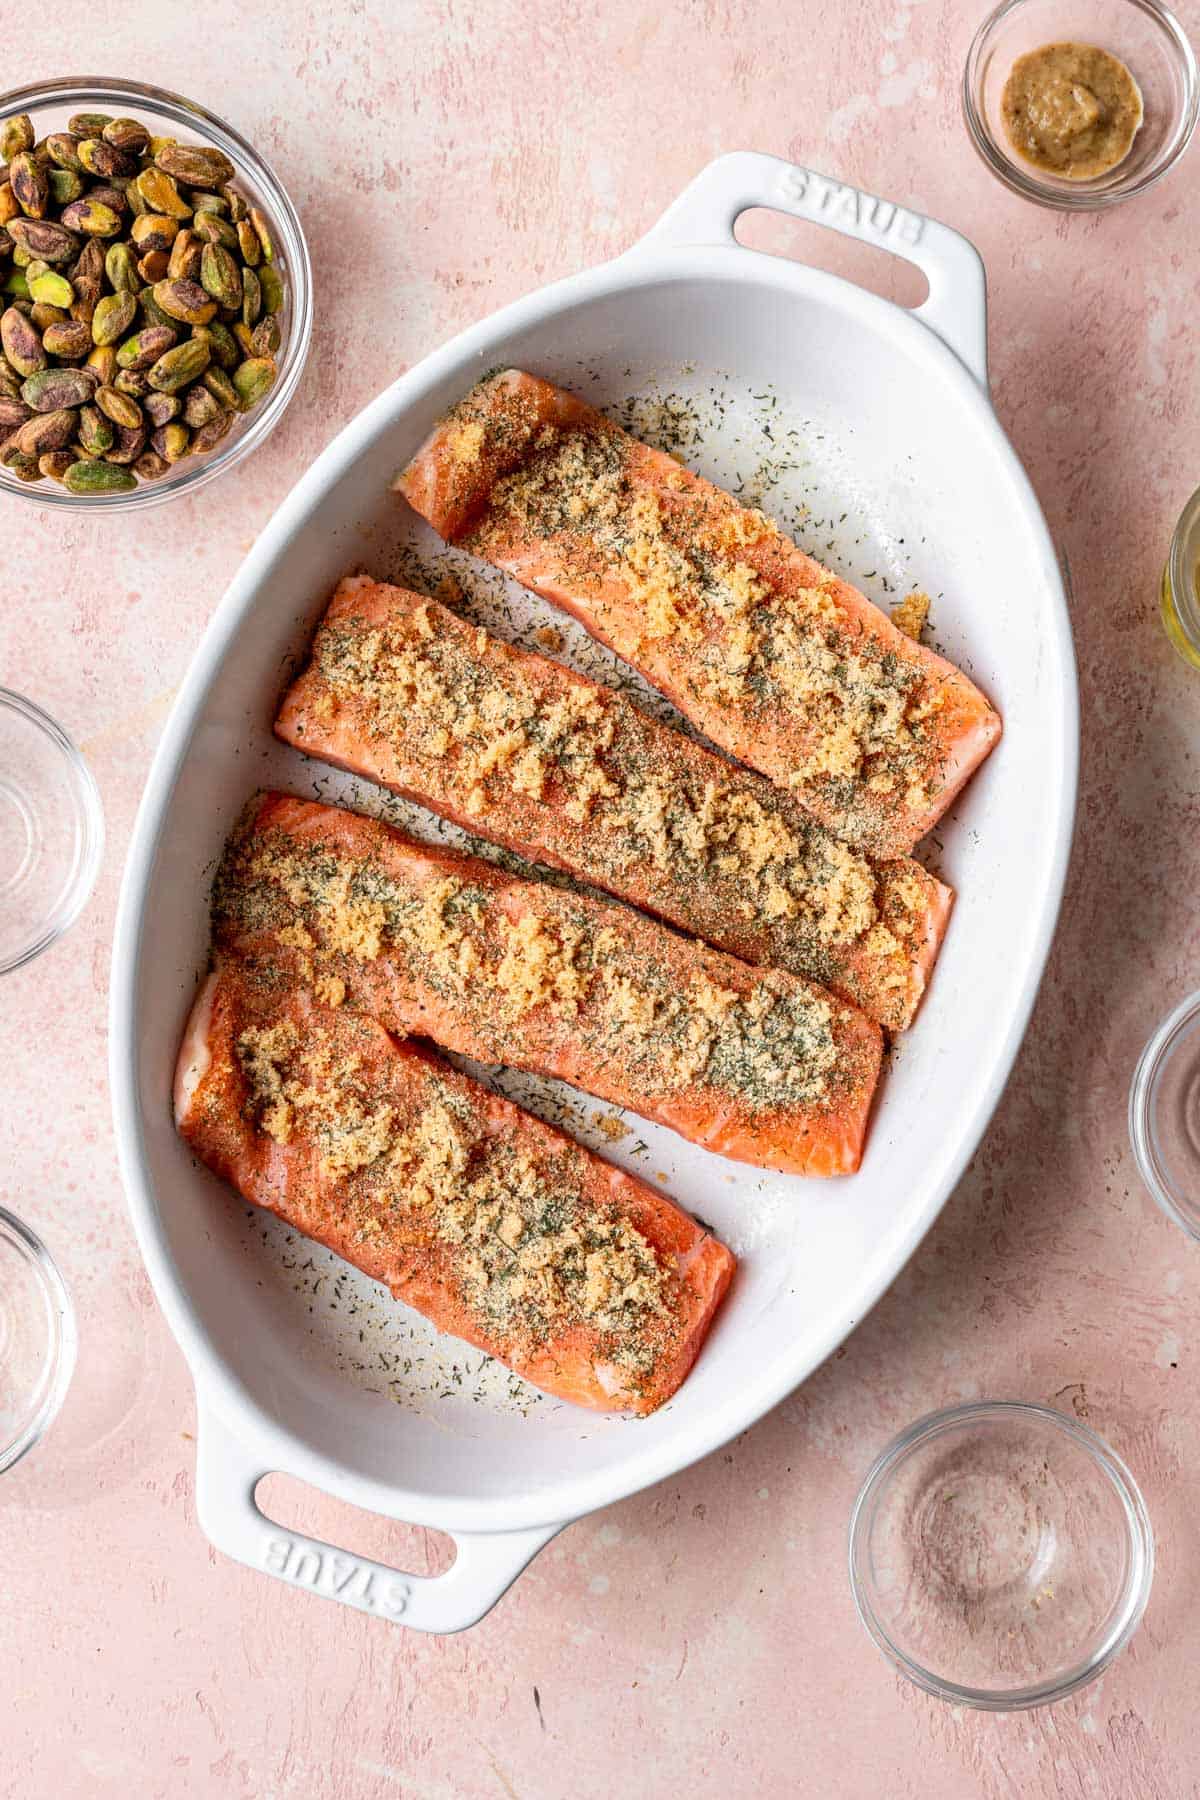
774 658
495 1226
758 1065
566 772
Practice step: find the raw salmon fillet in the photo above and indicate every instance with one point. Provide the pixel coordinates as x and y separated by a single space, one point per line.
773 657
566 772
756 1064
497 1227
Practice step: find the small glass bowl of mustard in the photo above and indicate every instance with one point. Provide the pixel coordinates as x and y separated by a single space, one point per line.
1142 35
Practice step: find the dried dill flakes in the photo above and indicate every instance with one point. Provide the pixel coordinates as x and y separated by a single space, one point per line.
492 954
591 782
521 1228
360 1340
711 600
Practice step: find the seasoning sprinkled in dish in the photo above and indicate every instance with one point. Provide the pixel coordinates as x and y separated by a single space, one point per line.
1072 109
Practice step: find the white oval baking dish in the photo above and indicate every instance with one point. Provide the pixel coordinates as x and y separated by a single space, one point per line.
892 422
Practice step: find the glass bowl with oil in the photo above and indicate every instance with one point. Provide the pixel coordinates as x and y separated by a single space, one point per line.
1180 597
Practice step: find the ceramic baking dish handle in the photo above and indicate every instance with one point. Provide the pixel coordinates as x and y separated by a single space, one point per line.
707 211
485 1564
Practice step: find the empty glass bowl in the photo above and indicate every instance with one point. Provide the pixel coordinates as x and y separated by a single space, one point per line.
51 830
1000 1555
37 1339
50 104
1142 34
1164 1115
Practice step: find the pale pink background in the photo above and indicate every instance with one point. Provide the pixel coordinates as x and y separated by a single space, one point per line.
699 1638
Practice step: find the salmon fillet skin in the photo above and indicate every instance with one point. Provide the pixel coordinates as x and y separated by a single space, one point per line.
774 658
497 1227
566 772
758 1065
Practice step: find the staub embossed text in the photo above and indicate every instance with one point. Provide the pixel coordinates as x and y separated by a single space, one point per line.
340 1576
838 203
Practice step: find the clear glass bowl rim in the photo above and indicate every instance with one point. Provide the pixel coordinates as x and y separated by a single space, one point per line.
1140 1092
186 477
1140 1538
92 812
65 1337
1181 577
1083 198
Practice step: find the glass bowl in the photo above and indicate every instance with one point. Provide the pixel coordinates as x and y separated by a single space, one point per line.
1164 1115
37 1339
1144 35
50 104
51 831
1000 1555
1179 601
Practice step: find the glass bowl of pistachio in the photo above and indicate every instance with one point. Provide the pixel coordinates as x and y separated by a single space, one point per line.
155 295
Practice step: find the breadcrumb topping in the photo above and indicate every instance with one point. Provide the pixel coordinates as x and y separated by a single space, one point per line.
497 954
532 1245
713 601
554 763
466 441
909 615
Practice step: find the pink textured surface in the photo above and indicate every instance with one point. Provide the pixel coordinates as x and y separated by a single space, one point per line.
699 1637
